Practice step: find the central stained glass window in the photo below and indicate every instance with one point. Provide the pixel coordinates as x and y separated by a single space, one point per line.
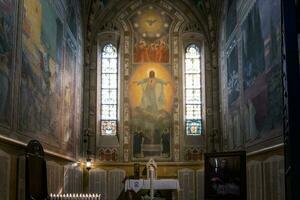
109 90
193 92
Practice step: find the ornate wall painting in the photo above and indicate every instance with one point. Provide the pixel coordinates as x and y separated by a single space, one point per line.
233 83
71 17
233 89
151 87
40 90
151 102
151 35
261 68
231 18
69 95
7 22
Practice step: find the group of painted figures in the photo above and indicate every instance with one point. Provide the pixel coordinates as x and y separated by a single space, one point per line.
153 52
140 138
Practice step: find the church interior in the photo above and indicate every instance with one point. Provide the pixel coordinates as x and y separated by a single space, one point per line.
149 99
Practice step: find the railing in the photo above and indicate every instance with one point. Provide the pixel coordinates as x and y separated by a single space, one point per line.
75 197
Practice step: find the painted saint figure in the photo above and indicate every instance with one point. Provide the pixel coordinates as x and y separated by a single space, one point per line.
153 92
141 52
6 43
4 83
138 140
165 143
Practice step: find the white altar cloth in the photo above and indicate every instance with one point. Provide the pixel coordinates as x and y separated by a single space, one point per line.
158 184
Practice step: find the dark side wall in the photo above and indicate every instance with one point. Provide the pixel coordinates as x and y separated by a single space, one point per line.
40 86
251 92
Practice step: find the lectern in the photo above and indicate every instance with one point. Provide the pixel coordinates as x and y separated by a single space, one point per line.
35 172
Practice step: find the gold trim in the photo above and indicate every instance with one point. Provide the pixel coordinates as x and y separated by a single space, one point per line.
271 148
48 152
196 163
7 139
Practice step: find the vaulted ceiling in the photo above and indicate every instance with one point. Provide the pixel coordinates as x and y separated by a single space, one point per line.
207 13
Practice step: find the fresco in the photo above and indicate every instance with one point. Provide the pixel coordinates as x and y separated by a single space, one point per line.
253 61
69 97
40 91
151 35
233 84
7 12
231 17
151 101
262 68
71 17
151 84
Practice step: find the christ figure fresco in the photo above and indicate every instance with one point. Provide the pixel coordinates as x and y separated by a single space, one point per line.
153 92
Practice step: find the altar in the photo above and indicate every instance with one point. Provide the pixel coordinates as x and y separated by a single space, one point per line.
137 185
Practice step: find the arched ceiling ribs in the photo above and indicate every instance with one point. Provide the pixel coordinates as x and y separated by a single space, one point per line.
125 16
114 10
206 14
210 11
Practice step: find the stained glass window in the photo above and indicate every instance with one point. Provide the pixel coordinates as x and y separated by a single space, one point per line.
193 92
109 90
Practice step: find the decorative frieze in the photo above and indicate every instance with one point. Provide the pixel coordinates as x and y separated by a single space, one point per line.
175 45
175 67
194 153
136 5
126 111
124 25
165 5
126 44
126 68
192 28
126 155
108 154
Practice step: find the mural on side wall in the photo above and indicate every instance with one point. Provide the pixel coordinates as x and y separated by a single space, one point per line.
151 35
231 17
69 94
41 65
71 17
233 84
47 97
261 69
7 18
151 101
233 89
